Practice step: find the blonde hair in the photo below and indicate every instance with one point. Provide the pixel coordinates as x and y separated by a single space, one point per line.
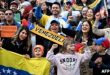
65 44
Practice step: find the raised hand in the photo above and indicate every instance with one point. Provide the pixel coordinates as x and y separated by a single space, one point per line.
54 46
98 60
39 2
98 16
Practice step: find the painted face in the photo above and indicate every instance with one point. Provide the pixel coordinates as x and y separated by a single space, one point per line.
2 15
71 48
37 52
55 9
23 35
85 27
54 27
9 15
43 6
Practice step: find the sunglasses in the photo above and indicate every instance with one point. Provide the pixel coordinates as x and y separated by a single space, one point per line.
8 13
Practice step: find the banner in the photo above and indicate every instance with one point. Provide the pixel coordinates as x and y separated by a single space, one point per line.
15 64
94 5
8 31
48 35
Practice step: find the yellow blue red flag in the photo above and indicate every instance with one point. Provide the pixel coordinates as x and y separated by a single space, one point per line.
15 64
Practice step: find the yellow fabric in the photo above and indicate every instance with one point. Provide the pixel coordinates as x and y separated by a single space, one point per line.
93 5
44 19
48 35
92 22
34 66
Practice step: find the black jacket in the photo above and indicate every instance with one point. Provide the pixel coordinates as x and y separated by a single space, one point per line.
17 47
103 67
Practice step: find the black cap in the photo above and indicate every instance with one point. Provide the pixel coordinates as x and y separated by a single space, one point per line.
55 21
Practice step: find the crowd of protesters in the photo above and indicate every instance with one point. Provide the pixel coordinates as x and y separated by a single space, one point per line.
87 34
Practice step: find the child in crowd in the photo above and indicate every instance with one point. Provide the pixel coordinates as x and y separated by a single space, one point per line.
38 51
100 61
68 60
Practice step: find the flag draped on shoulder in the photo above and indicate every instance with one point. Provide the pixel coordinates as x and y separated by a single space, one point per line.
15 64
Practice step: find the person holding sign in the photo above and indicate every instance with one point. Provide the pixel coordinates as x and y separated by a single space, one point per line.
54 27
20 43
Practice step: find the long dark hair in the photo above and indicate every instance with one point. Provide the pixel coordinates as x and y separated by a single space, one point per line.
48 12
27 41
79 35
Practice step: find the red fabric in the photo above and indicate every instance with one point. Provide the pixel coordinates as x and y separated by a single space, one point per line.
24 22
78 46
106 43
26 11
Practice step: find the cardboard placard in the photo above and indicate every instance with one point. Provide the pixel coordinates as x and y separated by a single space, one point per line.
8 31
48 35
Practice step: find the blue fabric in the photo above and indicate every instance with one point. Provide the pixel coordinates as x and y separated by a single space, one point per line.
31 26
79 26
38 13
99 41
11 71
99 6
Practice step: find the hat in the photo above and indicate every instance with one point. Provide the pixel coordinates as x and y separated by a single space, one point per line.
102 41
54 21
39 46
14 2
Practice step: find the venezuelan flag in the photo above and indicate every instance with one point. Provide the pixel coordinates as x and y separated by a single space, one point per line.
15 64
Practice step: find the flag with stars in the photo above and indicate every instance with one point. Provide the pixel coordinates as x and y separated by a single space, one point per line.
15 64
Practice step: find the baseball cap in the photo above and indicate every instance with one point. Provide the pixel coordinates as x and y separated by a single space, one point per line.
102 41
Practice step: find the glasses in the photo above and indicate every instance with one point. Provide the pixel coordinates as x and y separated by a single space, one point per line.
8 13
